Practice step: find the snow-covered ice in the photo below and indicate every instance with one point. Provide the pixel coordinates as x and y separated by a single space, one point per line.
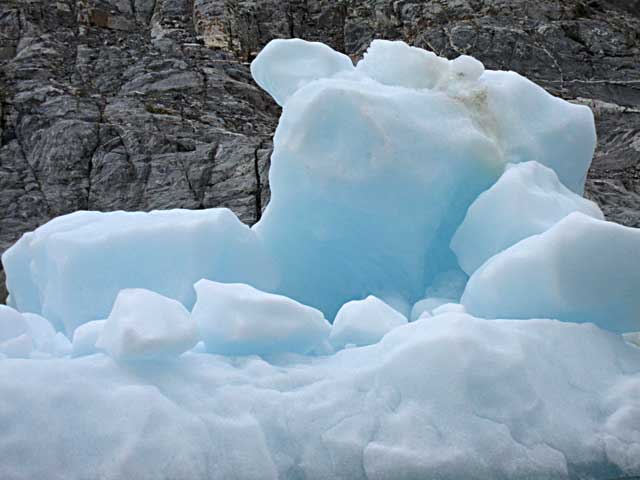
455 398
392 181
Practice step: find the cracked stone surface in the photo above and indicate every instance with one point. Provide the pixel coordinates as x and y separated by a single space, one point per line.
145 104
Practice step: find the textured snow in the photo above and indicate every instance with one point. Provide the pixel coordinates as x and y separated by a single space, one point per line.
237 319
454 398
526 200
392 181
146 325
363 322
580 270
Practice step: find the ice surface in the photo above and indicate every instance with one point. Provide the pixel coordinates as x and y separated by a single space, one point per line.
12 323
580 270
363 322
457 398
376 163
39 329
237 319
27 335
15 341
397 64
449 307
526 200
375 168
633 338
71 269
285 66
361 171
145 325
426 306
85 338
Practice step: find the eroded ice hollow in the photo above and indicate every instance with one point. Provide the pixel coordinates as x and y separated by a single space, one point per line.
433 209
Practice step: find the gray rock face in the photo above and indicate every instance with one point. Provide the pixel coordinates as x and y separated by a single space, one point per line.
144 104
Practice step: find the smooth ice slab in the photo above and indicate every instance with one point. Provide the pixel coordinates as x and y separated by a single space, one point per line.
237 319
363 322
580 270
71 269
144 325
526 200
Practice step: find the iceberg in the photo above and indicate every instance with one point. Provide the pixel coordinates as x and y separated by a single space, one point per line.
364 322
405 187
85 338
497 220
237 319
71 269
580 270
144 325
372 173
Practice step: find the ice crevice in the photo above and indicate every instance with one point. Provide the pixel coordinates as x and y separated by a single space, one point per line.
427 295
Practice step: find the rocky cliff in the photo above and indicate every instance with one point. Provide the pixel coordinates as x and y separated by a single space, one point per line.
144 104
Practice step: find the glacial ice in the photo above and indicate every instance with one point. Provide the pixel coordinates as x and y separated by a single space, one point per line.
28 335
580 270
85 338
452 397
285 66
417 158
144 325
496 220
426 306
12 324
71 269
392 181
363 322
237 319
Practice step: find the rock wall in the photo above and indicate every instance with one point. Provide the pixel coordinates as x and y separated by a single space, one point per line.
144 104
